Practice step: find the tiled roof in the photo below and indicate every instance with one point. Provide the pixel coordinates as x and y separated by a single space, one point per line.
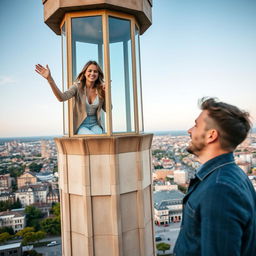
163 198
15 214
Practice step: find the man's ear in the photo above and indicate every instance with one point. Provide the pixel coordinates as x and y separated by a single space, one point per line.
212 135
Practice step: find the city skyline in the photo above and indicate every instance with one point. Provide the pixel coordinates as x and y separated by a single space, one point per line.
193 49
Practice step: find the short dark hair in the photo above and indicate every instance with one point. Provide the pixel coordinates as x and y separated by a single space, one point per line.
232 123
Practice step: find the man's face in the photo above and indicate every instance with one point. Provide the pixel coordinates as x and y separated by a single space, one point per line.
197 134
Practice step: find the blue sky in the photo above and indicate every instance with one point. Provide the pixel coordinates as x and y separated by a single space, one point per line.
193 49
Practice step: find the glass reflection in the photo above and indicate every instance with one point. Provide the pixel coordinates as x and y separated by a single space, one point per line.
138 76
87 44
64 78
121 75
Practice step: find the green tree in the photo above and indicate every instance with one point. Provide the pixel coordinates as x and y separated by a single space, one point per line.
182 189
163 247
28 238
55 169
7 229
16 204
7 205
24 231
4 237
34 167
51 226
15 171
56 209
159 167
39 235
33 216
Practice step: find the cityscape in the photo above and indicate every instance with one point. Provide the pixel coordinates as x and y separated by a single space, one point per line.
30 200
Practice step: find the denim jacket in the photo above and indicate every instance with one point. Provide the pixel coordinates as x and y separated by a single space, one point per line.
219 212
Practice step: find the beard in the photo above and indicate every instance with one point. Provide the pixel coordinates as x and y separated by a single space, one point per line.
196 145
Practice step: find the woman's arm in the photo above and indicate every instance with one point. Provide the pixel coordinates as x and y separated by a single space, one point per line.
61 96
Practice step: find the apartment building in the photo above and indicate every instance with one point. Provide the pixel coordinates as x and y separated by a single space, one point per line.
13 219
167 206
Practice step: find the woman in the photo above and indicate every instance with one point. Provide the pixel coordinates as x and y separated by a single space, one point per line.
89 93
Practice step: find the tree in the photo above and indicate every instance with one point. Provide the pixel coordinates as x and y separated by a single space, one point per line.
29 237
163 247
4 237
39 235
22 232
7 229
182 189
51 226
34 167
7 205
15 171
56 209
33 216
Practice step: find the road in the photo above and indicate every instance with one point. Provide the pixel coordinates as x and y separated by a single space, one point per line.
51 251
168 234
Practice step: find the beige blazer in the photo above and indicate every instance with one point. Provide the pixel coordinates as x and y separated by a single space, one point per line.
79 104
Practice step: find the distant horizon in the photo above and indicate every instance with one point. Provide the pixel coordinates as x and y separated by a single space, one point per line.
159 133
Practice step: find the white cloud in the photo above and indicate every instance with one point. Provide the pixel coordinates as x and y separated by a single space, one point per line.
6 80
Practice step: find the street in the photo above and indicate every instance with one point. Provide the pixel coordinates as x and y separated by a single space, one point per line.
50 251
171 232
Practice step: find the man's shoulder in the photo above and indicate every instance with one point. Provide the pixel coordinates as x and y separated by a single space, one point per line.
233 178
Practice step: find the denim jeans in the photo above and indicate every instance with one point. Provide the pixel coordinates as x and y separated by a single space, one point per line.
90 126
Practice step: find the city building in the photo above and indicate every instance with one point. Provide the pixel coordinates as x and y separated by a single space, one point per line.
13 219
27 178
31 194
52 196
159 187
180 176
45 153
14 249
167 206
7 196
245 166
5 182
161 174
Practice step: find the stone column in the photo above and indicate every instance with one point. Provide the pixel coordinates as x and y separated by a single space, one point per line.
106 196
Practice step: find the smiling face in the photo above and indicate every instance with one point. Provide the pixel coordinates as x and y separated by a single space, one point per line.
91 73
198 134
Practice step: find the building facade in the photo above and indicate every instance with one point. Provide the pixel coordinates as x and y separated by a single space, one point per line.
27 178
32 194
5 182
13 219
180 176
167 206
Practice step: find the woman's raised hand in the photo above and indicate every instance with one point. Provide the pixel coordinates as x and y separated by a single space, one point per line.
44 72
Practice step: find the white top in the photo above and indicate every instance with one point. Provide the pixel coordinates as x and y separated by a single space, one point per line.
91 109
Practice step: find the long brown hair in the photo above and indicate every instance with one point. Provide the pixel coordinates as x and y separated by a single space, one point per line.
98 83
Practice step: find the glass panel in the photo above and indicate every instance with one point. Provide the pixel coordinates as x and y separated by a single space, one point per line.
121 75
138 75
64 78
87 44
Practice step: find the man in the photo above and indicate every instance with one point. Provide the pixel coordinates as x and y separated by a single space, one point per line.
219 214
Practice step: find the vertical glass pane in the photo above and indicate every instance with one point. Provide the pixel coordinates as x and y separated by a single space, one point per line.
138 75
64 78
87 44
121 75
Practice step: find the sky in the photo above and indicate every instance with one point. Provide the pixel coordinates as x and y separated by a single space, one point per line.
194 48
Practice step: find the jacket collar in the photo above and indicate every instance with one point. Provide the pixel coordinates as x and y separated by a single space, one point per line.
213 164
